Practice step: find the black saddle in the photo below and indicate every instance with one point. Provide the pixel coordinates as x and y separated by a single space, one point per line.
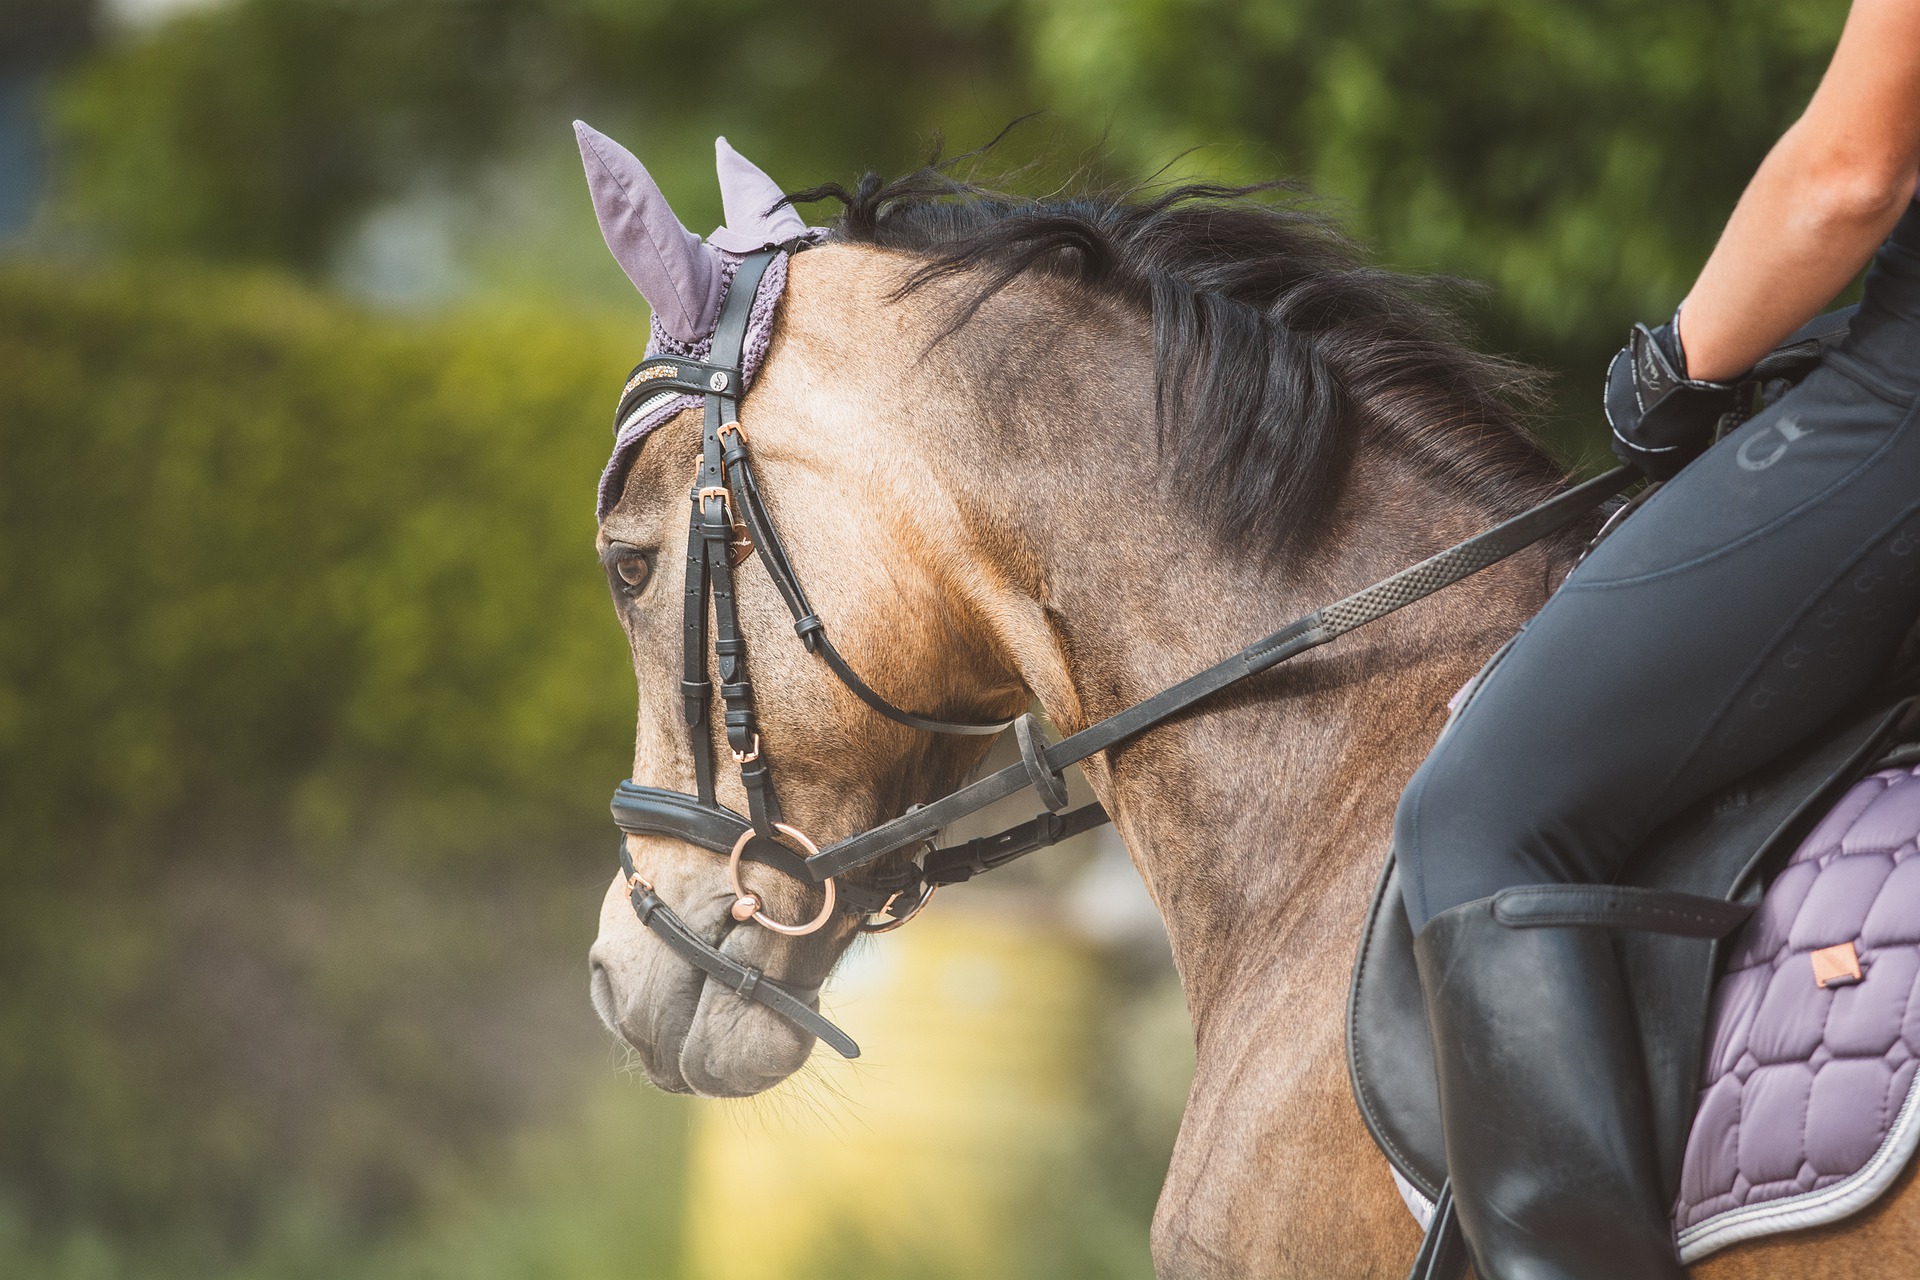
1728 846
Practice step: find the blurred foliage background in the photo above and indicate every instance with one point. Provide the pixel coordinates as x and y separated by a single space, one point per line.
309 696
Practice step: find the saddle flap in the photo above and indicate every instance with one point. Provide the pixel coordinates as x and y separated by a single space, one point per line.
1389 1057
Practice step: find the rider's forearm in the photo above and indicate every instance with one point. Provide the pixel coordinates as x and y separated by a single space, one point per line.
1826 195
1804 228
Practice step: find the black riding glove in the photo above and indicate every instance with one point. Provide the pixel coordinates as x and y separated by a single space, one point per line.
1661 419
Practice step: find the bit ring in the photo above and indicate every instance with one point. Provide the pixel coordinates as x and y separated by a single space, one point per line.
746 906
888 926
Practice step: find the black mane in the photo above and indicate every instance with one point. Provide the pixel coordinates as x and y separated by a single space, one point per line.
1277 348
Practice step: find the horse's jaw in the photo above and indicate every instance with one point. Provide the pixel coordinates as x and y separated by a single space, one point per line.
693 1035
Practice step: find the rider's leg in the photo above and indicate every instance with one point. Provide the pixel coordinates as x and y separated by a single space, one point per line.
1543 1101
1751 600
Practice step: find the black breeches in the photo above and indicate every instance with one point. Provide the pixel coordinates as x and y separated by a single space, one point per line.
1765 587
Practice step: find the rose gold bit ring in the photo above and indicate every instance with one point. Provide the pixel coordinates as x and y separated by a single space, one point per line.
889 926
746 906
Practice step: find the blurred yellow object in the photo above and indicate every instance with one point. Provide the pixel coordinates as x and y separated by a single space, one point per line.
920 1157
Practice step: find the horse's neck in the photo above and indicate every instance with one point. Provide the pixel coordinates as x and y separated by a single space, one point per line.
1254 813
1259 815
1260 821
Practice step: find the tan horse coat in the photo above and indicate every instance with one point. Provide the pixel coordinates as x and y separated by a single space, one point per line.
965 552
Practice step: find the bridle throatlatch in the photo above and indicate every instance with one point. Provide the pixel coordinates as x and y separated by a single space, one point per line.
729 523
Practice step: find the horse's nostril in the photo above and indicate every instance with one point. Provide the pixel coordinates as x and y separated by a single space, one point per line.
600 991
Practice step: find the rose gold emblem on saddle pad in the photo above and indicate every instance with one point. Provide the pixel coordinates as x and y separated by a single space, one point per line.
1835 966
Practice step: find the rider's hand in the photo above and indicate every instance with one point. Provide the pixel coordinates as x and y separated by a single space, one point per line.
1661 418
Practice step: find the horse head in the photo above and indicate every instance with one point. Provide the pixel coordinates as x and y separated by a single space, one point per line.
888 563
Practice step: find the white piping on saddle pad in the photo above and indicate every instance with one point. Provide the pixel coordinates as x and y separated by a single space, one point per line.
1814 1208
1794 1213
1418 1205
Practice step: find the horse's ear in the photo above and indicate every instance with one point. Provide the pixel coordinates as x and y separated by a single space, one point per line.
755 217
677 274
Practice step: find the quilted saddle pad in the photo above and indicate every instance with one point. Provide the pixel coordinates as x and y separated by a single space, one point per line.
1786 1082
1808 1107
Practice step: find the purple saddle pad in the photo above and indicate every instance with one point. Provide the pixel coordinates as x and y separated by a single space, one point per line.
1808 1108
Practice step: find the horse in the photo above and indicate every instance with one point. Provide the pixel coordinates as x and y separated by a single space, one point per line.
1073 450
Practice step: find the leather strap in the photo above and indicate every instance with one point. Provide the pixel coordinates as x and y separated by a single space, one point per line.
806 623
744 979
713 529
957 864
1443 1250
1317 628
673 375
696 690
652 811
1681 915
821 645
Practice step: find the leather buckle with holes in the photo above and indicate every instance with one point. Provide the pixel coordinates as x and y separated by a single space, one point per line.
740 545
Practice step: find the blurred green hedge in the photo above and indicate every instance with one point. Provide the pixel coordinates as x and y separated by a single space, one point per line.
273 566
260 129
1580 156
300 606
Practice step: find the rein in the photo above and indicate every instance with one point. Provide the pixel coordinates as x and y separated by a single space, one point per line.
724 487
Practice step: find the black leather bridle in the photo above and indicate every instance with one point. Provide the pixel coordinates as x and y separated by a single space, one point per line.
725 487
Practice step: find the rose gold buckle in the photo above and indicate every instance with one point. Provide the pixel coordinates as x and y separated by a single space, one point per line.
746 906
719 491
734 427
749 757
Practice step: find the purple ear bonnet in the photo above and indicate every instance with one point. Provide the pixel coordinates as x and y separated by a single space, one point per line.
682 278
755 215
678 276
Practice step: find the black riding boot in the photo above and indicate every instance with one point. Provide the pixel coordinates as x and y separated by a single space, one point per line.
1543 1099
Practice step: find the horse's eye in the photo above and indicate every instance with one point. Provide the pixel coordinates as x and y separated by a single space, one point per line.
631 569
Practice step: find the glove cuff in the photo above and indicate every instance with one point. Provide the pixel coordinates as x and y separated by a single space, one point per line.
1660 366
1668 335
